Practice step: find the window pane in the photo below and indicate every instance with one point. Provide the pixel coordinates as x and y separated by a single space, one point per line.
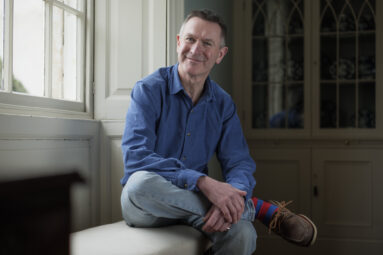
366 105
64 55
259 106
328 105
1 42
71 3
347 105
28 47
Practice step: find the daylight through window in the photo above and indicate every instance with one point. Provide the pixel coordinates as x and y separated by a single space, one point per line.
43 54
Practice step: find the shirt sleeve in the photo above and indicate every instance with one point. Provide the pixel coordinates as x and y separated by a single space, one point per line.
139 139
237 165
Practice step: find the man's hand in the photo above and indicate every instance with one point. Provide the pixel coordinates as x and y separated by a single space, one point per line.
214 221
224 196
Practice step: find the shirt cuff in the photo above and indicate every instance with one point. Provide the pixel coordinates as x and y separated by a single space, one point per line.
187 179
243 188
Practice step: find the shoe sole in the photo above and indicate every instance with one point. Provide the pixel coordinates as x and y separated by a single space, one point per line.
314 227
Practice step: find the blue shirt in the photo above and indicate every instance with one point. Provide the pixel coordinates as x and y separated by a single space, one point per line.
166 134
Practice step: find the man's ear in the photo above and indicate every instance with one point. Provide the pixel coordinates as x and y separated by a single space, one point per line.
178 42
222 52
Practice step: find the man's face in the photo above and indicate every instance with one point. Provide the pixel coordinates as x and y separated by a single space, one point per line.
199 47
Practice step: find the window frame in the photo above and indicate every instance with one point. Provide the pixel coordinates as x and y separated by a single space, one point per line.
19 103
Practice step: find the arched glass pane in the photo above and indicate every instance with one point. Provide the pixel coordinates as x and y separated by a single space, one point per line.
328 63
356 4
295 103
328 105
277 13
337 5
366 105
294 59
260 60
328 23
347 20
277 63
259 106
366 64
366 19
277 106
347 105
346 62
296 24
259 25
276 59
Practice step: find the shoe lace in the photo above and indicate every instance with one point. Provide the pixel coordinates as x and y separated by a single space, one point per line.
279 215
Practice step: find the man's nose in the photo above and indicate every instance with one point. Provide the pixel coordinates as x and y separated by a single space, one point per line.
196 47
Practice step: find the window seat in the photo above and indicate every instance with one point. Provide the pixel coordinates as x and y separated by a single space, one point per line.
118 239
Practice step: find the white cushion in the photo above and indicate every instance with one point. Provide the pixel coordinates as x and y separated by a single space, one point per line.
118 238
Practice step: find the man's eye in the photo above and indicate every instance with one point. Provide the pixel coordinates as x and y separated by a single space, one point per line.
207 43
189 39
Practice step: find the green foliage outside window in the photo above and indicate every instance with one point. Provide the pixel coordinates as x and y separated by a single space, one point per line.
17 85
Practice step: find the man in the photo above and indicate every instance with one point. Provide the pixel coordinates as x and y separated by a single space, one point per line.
178 118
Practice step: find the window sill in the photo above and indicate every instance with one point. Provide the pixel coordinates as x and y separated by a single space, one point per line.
26 105
8 109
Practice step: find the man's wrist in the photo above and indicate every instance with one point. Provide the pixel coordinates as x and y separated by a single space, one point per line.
201 181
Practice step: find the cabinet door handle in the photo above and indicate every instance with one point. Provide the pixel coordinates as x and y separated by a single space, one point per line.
315 190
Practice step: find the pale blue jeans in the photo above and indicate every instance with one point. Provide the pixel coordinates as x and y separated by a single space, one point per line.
149 200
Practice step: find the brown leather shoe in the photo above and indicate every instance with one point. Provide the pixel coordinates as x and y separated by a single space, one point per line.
295 228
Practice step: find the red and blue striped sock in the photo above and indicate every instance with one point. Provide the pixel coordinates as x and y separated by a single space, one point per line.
264 211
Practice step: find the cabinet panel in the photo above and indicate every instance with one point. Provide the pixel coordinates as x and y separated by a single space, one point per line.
283 174
348 204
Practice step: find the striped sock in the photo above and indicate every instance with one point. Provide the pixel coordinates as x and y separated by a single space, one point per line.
264 211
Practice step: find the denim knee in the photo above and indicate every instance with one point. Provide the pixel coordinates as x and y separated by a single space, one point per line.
245 231
140 182
240 239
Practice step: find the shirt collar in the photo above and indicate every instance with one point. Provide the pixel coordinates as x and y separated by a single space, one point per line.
175 85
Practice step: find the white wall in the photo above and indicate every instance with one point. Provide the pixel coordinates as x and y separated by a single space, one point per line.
133 38
38 146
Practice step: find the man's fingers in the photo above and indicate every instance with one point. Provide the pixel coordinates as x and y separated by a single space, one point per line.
239 207
225 227
243 193
208 214
226 214
233 212
211 220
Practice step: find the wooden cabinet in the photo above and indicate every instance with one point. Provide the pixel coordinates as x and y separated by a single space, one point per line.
308 68
307 86
350 192
35 214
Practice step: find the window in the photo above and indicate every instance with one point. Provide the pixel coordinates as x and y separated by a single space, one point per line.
44 53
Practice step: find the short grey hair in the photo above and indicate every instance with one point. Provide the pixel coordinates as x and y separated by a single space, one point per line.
210 16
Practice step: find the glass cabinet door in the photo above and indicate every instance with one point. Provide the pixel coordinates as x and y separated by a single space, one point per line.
277 64
347 64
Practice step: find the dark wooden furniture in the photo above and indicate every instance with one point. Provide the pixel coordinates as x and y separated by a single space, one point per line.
35 215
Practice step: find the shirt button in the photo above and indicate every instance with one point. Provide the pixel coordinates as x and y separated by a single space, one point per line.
188 134
186 185
183 158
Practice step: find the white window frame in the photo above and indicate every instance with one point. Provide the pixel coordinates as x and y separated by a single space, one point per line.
24 104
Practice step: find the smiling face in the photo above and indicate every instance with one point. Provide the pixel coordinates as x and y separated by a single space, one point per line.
199 48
